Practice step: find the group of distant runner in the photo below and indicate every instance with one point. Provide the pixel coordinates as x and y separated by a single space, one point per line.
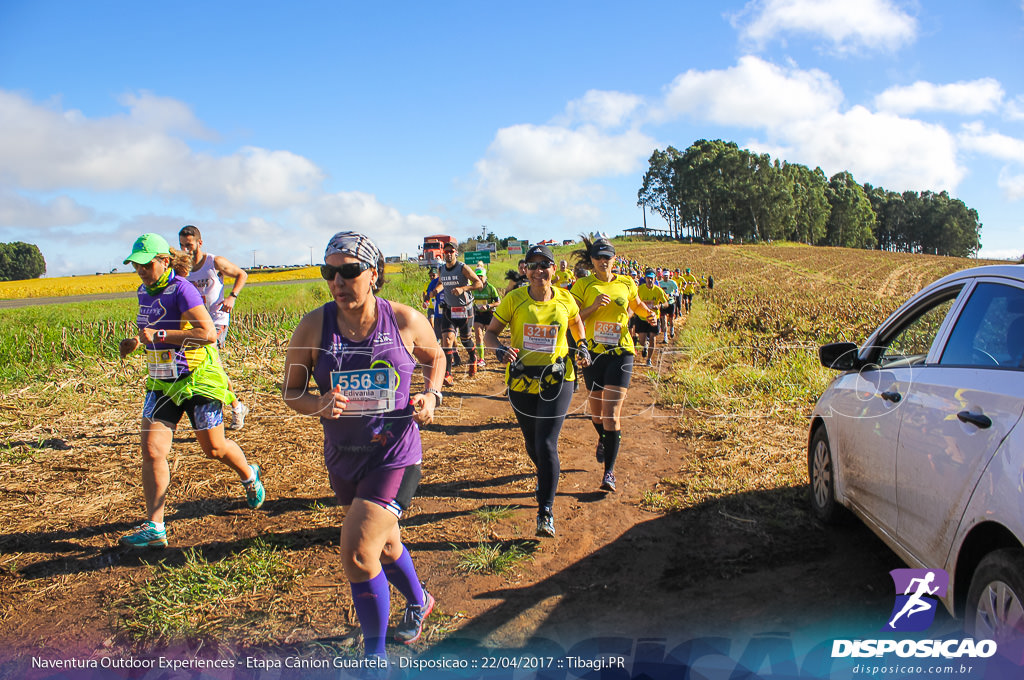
361 351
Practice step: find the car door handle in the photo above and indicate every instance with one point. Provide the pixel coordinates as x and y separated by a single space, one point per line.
977 419
893 396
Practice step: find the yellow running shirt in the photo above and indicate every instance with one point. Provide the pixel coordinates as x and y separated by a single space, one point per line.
607 328
652 297
688 283
538 332
563 279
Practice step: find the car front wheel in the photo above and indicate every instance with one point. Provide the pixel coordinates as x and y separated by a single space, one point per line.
821 472
995 600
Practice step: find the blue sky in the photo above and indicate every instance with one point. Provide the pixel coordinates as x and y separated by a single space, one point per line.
273 125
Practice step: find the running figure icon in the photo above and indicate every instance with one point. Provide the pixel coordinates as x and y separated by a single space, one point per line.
916 603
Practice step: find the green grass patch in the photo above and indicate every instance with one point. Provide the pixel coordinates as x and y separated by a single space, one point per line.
227 598
41 342
726 372
658 501
495 558
490 514
16 454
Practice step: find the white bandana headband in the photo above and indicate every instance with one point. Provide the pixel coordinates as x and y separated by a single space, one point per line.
356 245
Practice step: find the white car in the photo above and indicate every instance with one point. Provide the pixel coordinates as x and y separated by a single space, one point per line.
920 437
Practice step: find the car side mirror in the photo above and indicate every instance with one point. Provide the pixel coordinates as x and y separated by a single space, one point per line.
839 356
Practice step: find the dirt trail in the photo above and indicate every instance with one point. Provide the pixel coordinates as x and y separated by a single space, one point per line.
614 569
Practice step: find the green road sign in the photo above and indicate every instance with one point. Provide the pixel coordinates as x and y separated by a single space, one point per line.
477 256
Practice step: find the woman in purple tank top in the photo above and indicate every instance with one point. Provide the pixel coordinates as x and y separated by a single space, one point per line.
362 351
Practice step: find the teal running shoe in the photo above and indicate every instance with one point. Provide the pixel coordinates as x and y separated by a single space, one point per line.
254 491
146 535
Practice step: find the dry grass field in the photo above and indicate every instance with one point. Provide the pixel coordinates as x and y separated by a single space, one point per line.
710 527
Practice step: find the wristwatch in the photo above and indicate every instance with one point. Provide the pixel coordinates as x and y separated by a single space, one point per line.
436 393
161 335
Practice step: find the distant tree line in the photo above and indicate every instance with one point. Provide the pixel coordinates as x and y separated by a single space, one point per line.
19 261
716 191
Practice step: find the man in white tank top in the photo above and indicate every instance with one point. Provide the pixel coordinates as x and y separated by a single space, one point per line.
208 272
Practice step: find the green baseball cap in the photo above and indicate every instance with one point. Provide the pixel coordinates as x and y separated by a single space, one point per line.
146 247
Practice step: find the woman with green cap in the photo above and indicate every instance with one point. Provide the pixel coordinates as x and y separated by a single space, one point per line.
185 377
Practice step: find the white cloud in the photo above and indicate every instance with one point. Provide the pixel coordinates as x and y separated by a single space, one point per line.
847 25
145 151
535 168
21 211
800 113
1015 108
883 149
1000 254
975 137
754 93
1011 184
966 97
274 197
603 108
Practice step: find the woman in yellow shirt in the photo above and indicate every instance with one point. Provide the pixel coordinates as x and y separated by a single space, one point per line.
605 300
538 374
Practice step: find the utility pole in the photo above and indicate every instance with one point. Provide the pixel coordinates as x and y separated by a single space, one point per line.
311 256
254 259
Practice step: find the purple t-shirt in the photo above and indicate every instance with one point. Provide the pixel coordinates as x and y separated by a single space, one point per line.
356 444
165 311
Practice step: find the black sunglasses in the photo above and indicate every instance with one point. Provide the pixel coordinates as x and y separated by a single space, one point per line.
347 271
533 266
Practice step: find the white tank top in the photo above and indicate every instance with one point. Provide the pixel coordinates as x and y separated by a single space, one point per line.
210 284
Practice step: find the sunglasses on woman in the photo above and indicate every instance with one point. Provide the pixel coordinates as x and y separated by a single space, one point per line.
534 266
348 271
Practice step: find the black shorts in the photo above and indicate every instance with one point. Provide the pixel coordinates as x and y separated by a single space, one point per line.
204 413
608 370
483 318
463 326
644 327
668 309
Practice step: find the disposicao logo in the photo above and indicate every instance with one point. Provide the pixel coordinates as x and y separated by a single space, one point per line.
917 597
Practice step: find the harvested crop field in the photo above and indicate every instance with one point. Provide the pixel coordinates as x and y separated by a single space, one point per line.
708 534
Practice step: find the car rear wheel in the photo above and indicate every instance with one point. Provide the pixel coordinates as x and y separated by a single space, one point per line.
821 472
995 600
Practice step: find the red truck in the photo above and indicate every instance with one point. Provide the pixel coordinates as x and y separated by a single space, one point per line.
431 252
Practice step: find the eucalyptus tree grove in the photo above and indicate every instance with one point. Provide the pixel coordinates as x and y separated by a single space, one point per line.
716 191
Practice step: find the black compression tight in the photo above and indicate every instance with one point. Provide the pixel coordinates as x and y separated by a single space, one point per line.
540 417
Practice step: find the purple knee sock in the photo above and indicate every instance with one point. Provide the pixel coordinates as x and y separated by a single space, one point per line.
373 605
402 575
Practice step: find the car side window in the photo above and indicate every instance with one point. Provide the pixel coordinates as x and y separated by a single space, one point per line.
911 343
990 330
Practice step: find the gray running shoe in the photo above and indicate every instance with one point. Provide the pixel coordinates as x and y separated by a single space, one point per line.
599 454
238 417
411 627
546 526
608 482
